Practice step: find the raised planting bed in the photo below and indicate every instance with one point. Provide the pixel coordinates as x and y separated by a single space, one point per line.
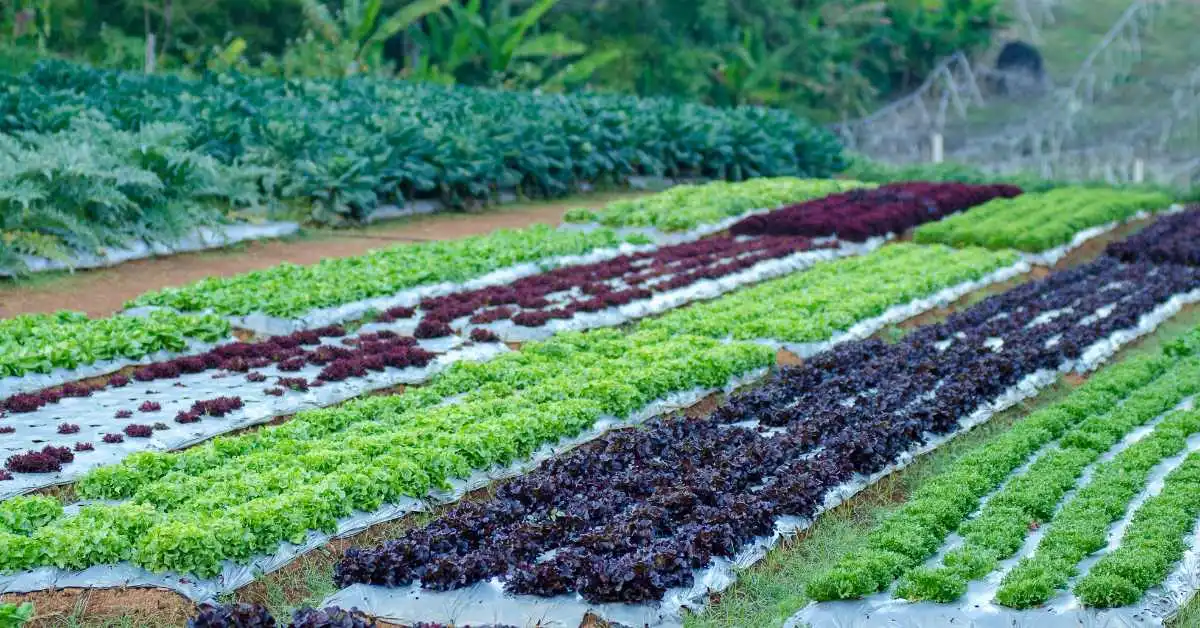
1046 225
857 215
706 207
40 350
1171 240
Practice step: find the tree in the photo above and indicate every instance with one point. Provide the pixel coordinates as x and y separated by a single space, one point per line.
475 43
353 36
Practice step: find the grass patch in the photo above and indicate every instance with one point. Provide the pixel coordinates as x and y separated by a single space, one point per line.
1188 616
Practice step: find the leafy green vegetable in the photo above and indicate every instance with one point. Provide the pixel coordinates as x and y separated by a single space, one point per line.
941 504
289 290
39 343
240 495
688 206
831 297
15 615
345 147
1040 221
89 186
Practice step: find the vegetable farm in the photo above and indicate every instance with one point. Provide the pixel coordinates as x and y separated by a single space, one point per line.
618 417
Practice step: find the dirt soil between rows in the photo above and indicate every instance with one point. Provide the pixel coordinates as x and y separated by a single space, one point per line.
102 292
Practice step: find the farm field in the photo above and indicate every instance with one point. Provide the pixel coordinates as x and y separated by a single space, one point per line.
620 314
619 418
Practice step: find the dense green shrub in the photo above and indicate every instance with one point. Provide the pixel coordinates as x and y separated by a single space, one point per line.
86 185
826 55
348 146
837 55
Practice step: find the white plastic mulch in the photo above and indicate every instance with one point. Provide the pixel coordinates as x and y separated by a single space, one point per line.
201 239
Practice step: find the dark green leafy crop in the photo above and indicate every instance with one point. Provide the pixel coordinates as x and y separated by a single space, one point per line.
345 147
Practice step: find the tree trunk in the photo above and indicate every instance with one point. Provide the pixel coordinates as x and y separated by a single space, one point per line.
167 15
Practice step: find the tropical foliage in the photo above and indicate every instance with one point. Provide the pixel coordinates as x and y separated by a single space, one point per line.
89 186
824 55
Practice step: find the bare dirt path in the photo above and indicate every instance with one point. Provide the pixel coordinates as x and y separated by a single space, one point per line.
102 292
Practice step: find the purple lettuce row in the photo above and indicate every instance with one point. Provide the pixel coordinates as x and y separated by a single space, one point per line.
48 460
51 458
257 616
30 402
237 356
626 517
1169 240
368 352
860 214
638 275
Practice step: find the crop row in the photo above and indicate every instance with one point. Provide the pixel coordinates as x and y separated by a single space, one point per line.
40 343
1080 527
633 514
350 146
237 357
859 214
686 207
1028 500
298 362
280 366
277 483
560 294
1038 222
832 297
1153 542
170 404
290 290
302 361
1131 392
1170 239
257 616
274 376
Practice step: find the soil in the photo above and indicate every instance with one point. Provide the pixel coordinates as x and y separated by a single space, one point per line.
705 406
783 357
131 607
102 292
